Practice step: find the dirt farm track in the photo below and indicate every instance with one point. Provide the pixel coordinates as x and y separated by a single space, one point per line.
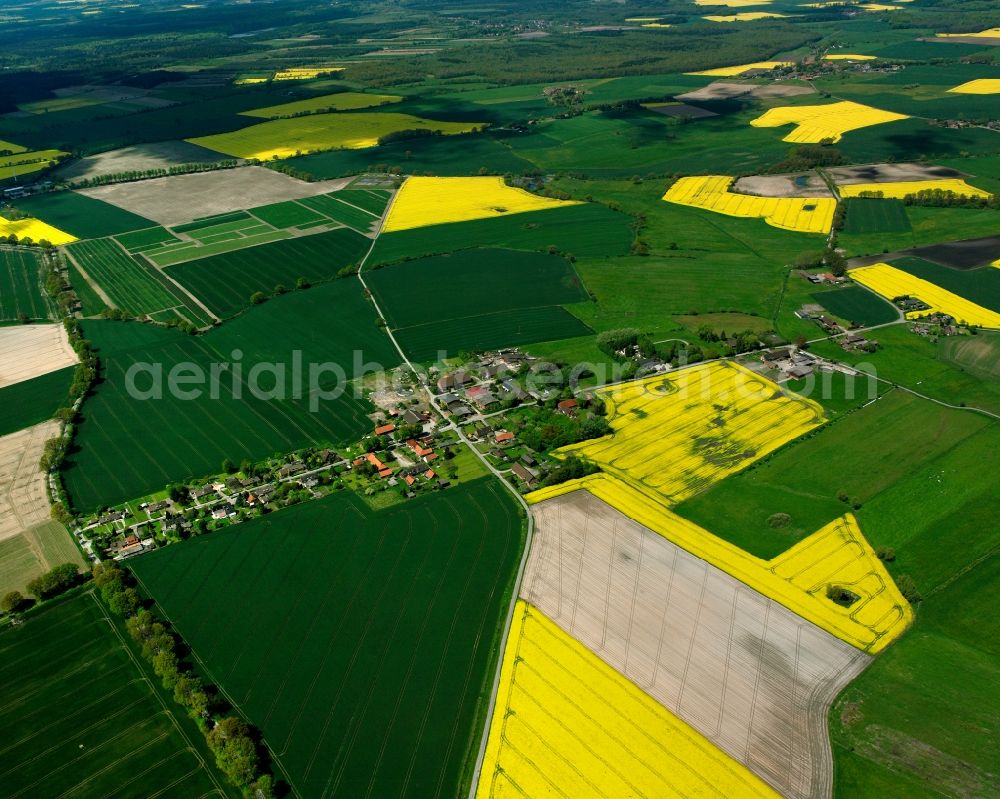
753 677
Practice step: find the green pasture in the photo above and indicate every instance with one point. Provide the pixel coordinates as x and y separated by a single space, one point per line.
362 644
81 716
127 447
226 282
21 293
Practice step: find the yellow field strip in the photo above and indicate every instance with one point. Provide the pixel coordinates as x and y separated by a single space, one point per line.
989 33
436 201
898 190
711 193
568 725
675 435
891 282
34 229
837 555
980 86
817 123
848 57
342 101
729 72
732 3
747 16
7 146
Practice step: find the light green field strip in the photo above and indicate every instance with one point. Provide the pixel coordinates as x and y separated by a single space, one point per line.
178 255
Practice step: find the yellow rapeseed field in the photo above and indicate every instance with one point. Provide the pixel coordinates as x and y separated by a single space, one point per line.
568 725
729 72
284 138
891 282
657 25
746 16
343 101
989 33
879 7
34 229
838 554
250 81
304 73
848 57
815 123
437 201
711 192
898 190
980 86
674 435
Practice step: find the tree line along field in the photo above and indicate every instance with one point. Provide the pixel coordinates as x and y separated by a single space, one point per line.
21 293
132 284
478 299
126 448
360 643
80 716
226 282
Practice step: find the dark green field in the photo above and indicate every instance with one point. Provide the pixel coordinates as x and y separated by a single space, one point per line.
80 716
225 282
373 201
90 302
21 286
129 447
287 214
132 283
32 401
875 216
332 207
858 305
981 286
489 332
210 221
140 240
471 283
360 643
81 216
590 229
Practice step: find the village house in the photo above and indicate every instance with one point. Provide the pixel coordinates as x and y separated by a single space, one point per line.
524 474
515 391
504 437
291 469
567 407
454 380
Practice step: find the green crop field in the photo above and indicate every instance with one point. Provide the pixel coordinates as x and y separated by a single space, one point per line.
130 447
287 214
360 643
857 304
34 551
226 282
489 331
90 301
21 286
81 216
342 101
981 286
470 283
81 717
589 229
131 283
32 401
929 226
332 207
372 201
148 239
875 216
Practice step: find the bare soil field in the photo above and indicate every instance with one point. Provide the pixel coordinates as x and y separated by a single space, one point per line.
890 173
727 90
23 500
28 351
965 254
681 110
184 198
750 675
159 155
802 184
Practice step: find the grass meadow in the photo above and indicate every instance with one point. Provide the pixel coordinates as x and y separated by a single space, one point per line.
81 717
127 448
360 643
875 216
225 282
21 286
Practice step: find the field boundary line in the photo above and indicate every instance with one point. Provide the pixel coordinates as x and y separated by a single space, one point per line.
93 284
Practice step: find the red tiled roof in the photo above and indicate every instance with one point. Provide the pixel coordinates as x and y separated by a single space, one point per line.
386 428
504 435
567 404
385 472
429 474
409 480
